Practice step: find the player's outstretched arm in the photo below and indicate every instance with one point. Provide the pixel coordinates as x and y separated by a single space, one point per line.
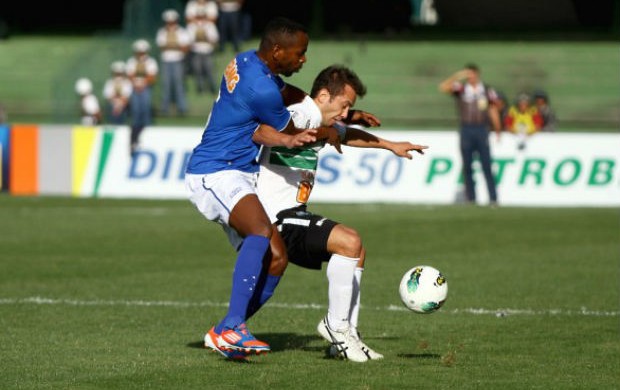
362 139
290 138
331 134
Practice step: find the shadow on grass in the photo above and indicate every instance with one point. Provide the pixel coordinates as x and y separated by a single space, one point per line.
291 341
280 342
419 355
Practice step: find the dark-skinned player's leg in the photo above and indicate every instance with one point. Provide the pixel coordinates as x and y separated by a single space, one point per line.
274 265
249 219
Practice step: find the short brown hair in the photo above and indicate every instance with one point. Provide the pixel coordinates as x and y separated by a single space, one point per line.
334 78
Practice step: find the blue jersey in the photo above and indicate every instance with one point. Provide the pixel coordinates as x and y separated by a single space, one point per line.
249 95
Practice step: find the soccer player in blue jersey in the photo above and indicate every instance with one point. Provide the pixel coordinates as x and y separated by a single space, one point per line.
249 111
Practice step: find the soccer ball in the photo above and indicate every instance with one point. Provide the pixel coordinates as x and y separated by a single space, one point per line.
423 289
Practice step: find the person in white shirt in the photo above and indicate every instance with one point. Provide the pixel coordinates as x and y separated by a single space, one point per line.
207 7
204 39
229 23
117 92
173 42
142 70
90 110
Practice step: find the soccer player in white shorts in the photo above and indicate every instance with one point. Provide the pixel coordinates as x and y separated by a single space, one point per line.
249 110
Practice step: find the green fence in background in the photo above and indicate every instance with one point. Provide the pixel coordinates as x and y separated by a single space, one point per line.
37 75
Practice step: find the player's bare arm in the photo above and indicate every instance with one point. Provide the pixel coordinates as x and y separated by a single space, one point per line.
403 148
331 135
363 139
291 137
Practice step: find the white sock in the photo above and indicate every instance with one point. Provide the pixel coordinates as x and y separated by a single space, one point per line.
340 275
355 298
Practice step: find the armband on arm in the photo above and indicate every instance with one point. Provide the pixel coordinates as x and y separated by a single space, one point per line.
342 130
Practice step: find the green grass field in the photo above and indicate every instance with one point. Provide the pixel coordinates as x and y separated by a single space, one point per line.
117 294
37 75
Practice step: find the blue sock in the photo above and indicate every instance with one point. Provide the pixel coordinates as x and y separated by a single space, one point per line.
264 291
260 286
245 277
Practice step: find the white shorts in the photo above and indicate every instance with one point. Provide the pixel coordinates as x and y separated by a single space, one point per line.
216 194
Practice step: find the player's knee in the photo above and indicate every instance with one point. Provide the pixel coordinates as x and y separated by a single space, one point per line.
264 230
279 256
259 228
351 243
355 244
278 264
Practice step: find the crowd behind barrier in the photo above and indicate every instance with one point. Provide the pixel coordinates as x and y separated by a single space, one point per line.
187 45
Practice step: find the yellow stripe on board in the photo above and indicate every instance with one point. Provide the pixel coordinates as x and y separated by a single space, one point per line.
82 139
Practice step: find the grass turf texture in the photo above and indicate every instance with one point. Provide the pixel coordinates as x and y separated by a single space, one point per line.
38 74
103 294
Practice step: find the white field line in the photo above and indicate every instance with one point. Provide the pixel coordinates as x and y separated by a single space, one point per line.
500 312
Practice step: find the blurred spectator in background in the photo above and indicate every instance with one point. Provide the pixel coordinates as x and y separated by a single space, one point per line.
523 119
90 110
246 21
142 70
502 107
206 7
173 41
117 92
204 38
193 7
423 12
476 107
229 23
541 100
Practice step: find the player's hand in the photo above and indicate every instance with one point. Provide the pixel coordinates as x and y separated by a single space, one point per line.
402 149
363 118
333 138
302 138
